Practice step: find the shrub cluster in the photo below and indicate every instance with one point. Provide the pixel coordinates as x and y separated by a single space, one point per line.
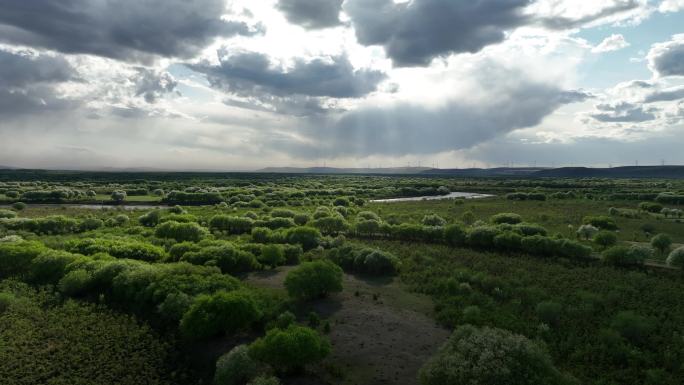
364 260
520 196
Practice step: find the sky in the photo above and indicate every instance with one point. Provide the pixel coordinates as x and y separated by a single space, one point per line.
231 85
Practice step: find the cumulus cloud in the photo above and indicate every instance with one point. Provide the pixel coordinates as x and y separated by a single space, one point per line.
254 75
312 14
667 59
122 29
413 33
614 42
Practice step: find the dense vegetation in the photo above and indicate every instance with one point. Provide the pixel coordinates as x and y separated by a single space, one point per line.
561 280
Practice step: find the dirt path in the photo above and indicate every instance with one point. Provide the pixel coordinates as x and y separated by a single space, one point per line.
381 333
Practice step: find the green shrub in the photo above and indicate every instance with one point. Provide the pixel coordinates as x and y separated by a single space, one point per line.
180 232
50 266
482 237
650 207
509 218
549 312
231 225
632 326
225 256
150 219
508 241
602 222
290 349
261 234
490 357
455 235
313 280
222 312
331 225
529 229
301 219
282 213
235 367
307 237
626 255
76 283
265 380
7 214
16 257
433 220
676 258
662 243
272 255
177 251
19 206
605 239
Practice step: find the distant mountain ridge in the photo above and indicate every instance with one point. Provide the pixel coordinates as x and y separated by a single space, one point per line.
335 170
666 172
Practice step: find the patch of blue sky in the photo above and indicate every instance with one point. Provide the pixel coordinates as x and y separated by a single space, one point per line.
606 69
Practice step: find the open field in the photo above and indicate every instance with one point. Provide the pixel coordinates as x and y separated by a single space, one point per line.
302 278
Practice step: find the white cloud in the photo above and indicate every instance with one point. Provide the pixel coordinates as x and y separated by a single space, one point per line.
614 42
671 5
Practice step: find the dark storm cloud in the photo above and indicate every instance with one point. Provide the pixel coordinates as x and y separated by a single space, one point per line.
21 69
620 6
299 90
254 74
152 84
121 29
667 59
312 14
416 32
27 83
623 112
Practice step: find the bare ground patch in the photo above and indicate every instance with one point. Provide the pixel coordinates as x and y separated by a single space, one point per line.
381 333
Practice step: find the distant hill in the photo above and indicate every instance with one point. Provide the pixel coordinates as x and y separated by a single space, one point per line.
485 172
665 172
7 168
335 170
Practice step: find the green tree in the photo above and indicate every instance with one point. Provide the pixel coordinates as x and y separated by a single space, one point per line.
221 312
119 196
313 280
662 243
235 367
605 239
490 357
290 349
676 258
